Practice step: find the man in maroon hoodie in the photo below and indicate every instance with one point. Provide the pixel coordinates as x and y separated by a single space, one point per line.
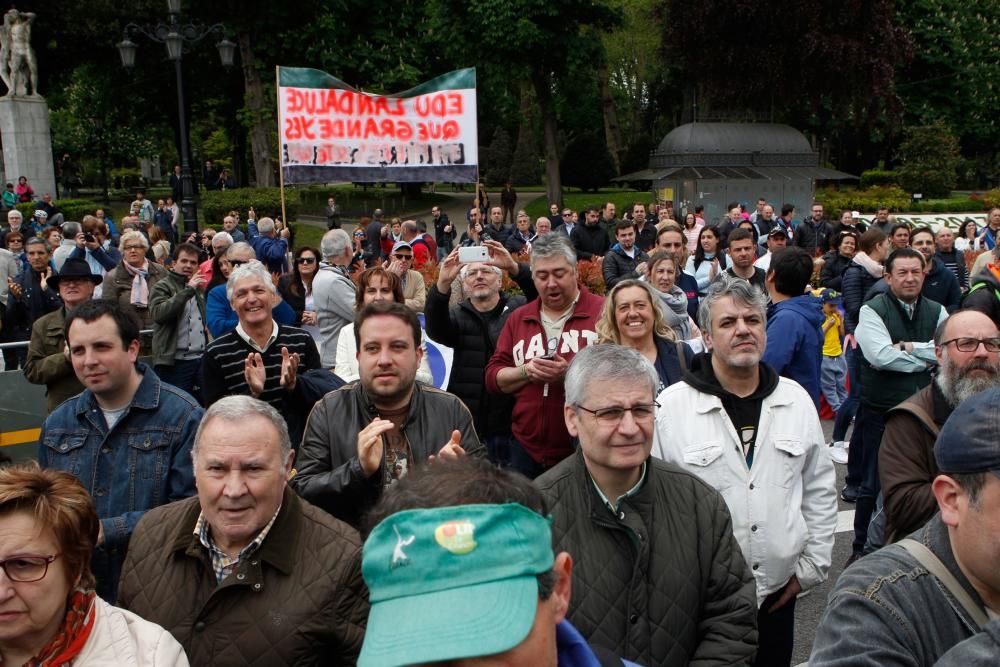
535 348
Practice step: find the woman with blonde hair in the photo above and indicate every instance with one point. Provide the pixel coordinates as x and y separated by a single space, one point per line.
161 246
633 316
49 612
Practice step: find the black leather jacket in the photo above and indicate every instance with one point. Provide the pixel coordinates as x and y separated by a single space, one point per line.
329 471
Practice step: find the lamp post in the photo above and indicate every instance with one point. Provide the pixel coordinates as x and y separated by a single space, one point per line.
174 34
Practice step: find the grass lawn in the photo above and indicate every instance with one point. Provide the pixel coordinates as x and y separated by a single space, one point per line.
580 200
307 235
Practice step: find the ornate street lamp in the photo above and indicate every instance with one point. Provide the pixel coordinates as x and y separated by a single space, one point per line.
174 35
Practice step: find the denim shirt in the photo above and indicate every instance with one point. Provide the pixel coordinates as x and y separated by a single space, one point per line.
143 462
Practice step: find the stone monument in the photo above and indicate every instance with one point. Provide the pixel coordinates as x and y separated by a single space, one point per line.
24 114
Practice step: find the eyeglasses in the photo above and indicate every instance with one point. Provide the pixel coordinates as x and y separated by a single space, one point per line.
401 257
25 569
305 260
238 262
643 413
972 344
135 247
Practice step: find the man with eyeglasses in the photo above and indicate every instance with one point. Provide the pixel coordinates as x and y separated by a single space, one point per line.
814 233
755 437
652 546
967 347
221 317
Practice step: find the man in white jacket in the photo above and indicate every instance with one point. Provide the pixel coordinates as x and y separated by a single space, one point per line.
334 292
757 439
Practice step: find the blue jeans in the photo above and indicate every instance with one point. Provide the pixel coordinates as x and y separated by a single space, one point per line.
833 372
870 423
498 449
850 406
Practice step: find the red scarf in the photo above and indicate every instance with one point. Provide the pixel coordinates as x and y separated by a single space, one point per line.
72 635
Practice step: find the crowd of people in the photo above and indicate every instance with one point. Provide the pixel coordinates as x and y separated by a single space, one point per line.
638 476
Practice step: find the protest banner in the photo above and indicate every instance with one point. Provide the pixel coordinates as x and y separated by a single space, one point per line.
329 131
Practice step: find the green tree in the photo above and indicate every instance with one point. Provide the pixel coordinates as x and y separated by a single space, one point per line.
529 38
500 154
930 156
587 164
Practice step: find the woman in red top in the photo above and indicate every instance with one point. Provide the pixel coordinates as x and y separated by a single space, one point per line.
23 190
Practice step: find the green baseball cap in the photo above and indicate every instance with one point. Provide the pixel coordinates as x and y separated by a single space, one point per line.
452 582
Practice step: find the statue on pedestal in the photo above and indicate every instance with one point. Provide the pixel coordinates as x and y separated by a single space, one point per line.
18 66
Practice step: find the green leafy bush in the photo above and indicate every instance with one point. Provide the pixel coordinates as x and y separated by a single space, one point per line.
930 155
949 205
865 201
72 209
876 177
991 199
266 202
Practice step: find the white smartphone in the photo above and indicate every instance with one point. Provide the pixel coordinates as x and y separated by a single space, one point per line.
471 254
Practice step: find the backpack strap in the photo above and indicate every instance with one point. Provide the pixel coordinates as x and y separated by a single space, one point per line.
934 565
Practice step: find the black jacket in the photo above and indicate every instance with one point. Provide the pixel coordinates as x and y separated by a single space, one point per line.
856 283
984 296
618 266
33 303
663 580
473 337
813 237
589 242
297 302
941 285
834 266
329 471
444 239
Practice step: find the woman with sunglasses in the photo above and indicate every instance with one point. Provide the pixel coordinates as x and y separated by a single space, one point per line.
49 612
296 289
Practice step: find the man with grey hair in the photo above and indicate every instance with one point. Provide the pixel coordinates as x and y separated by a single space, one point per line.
247 572
271 246
231 226
756 438
533 352
334 292
220 244
967 346
259 357
219 314
471 329
421 251
70 230
652 544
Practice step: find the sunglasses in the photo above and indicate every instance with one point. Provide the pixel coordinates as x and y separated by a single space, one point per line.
305 260
237 262
401 256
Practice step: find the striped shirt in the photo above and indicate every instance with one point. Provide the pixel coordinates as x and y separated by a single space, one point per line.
222 367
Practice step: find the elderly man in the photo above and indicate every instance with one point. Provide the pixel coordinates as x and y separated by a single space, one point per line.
246 573
625 260
30 297
401 263
923 601
231 227
468 626
219 313
756 437
48 360
334 292
219 244
967 346
127 437
954 259
270 246
732 220
418 246
543 226
364 437
471 328
259 357
653 545
15 223
177 306
895 333
534 350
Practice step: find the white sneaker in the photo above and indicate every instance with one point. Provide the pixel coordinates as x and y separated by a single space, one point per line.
838 452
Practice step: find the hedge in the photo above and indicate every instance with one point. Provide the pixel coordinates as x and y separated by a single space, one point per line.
875 177
72 209
868 201
266 202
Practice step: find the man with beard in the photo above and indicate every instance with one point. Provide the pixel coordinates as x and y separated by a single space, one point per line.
967 346
364 437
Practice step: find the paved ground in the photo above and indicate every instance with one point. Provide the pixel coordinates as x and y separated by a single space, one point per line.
809 609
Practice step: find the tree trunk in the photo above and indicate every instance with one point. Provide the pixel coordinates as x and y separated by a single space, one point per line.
612 129
262 114
542 82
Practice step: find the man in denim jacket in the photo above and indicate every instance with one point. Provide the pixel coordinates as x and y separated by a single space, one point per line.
887 608
127 437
